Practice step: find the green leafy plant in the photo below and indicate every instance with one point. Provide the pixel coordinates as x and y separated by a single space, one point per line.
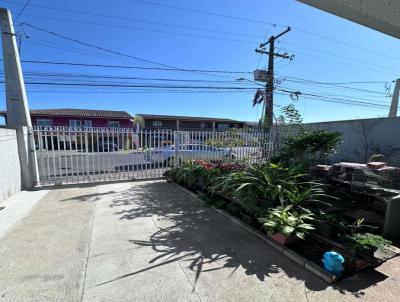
268 182
287 221
187 174
310 147
305 194
365 242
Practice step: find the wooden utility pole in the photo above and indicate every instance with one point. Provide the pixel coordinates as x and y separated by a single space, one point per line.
269 87
395 100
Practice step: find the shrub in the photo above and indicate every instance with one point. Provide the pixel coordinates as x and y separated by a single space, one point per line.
310 147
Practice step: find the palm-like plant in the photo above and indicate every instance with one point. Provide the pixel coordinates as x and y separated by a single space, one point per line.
287 221
270 182
303 194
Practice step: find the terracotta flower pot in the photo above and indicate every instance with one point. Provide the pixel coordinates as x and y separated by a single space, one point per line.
282 239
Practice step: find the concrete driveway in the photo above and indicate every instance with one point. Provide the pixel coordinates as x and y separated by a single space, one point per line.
150 241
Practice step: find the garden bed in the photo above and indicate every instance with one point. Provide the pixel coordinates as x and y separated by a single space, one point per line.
308 253
280 207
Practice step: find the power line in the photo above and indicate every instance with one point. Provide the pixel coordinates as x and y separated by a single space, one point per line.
208 13
341 95
133 67
344 63
97 47
22 10
305 81
140 86
79 75
152 30
63 47
109 50
336 102
268 23
336 55
235 40
129 19
335 98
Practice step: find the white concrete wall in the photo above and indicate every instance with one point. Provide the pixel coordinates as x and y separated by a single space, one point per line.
10 170
364 137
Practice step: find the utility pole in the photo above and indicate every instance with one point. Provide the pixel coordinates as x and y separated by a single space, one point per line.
269 87
18 116
395 100
17 104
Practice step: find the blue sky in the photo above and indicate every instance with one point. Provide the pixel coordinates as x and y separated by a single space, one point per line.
326 48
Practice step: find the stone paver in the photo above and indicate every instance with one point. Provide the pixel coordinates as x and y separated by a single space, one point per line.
150 241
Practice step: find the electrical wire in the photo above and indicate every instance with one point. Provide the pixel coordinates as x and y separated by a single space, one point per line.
133 67
336 55
268 23
114 26
130 20
305 81
337 99
208 13
22 10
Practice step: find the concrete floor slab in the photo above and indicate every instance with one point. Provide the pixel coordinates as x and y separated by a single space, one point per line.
150 241
17 207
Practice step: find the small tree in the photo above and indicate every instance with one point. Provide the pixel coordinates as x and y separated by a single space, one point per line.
301 145
310 147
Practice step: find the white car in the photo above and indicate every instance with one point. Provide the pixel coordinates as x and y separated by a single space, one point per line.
166 155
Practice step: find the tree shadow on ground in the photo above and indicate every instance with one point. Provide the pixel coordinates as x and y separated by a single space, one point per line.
191 233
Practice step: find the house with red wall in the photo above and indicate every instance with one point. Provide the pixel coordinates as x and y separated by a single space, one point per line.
82 118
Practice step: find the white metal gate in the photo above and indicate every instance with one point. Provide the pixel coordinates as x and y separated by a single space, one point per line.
78 155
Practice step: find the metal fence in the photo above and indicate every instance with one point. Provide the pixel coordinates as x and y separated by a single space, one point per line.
78 155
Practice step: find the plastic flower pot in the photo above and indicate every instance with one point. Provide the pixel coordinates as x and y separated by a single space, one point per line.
282 239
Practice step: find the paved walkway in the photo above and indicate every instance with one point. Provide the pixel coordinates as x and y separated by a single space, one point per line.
150 241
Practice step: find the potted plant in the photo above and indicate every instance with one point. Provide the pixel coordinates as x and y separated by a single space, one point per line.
285 225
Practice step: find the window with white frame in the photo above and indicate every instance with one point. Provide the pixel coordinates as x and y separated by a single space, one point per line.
75 123
113 124
157 124
44 122
87 123
203 125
